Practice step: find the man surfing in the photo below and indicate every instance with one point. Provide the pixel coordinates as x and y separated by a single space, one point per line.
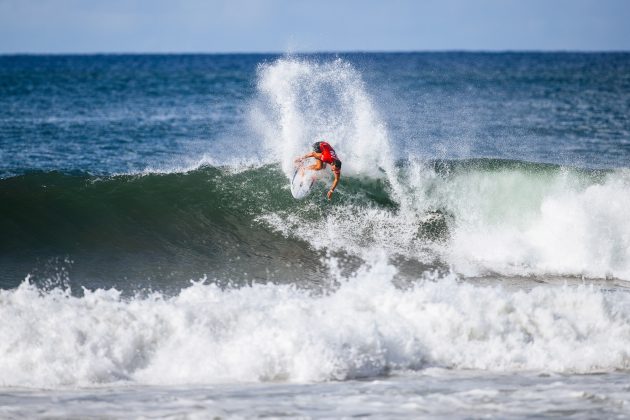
324 153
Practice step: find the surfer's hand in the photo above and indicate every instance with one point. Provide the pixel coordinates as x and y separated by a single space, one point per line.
329 194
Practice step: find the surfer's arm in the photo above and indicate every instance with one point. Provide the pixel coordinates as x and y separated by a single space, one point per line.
334 184
306 156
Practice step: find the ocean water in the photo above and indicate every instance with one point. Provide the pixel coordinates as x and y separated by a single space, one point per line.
473 262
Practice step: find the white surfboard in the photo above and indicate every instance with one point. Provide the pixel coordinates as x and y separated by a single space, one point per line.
302 181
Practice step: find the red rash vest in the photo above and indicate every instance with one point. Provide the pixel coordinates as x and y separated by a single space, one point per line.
328 153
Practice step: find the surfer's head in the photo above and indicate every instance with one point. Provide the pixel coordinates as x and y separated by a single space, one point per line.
336 165
317 147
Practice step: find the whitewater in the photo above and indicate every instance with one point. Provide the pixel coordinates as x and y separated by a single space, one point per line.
169 273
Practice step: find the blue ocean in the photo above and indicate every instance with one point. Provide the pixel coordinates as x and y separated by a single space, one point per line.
473 262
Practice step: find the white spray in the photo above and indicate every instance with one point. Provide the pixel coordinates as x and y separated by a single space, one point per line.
305 102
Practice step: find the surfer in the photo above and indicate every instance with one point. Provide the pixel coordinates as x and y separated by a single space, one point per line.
324 153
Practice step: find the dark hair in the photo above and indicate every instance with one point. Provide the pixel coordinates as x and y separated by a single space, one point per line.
337 163
317 147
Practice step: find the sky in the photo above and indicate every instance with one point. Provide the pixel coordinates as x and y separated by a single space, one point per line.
223 26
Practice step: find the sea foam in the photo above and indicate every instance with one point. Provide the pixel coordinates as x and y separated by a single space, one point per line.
364 327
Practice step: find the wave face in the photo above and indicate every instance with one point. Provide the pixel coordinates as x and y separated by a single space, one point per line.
477 218
112 231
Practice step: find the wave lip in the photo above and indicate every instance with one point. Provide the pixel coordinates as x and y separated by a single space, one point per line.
365 328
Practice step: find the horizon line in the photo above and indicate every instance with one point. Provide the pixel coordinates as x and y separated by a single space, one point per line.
323 52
